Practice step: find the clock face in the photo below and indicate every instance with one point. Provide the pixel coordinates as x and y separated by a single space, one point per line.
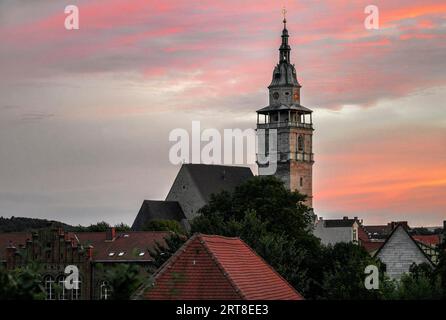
276 95
296 95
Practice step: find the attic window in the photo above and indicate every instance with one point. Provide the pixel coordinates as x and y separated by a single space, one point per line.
121 253
111 254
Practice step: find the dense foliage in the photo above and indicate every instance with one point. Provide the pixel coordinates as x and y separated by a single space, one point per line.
123 279
164 225
21 284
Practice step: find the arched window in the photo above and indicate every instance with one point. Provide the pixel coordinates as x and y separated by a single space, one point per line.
76 293
300 143
105 291
63 292
48 282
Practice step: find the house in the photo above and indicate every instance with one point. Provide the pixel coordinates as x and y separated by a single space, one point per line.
400 251
91 252
339 230
191 190
218 268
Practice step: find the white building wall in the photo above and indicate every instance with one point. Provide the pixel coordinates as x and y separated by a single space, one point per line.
334 235
399 253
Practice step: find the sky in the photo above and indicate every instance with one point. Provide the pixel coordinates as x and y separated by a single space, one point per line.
85 115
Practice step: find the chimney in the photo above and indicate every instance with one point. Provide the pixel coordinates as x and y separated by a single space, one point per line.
90 252
110 234
394 224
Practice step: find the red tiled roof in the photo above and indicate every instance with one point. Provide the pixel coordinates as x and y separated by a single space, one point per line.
371 246
432 240
216 267
130 243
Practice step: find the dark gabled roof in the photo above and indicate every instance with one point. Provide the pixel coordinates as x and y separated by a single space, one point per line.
296 107
397 226
212 179
339 223
210 267
157 210
378 231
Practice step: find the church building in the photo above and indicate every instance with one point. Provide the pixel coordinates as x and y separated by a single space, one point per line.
286 117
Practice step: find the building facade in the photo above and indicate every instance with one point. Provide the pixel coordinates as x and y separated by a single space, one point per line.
293 124
92 253
400 251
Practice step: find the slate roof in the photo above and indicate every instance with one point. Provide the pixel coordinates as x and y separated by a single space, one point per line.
339 223
153 210
131 243
296 107
216 267
212 179
378 231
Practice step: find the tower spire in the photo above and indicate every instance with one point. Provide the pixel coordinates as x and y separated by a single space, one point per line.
284 56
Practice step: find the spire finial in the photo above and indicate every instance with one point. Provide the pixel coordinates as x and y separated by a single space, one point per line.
284 12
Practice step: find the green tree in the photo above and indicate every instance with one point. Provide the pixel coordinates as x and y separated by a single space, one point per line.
274 222
122 227
163 251
21 284
343 276
124 280
164 225
421 283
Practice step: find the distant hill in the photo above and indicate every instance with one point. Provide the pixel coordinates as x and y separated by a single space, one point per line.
20 224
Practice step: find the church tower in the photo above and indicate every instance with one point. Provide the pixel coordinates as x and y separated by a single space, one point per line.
293 124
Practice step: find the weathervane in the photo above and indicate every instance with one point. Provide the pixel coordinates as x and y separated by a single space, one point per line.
284 15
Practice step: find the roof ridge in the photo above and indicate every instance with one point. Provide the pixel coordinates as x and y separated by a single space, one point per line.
220 266
271 268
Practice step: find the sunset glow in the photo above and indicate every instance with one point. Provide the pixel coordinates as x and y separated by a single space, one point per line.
85 114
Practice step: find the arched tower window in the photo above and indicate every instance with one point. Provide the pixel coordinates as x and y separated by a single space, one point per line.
300 143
